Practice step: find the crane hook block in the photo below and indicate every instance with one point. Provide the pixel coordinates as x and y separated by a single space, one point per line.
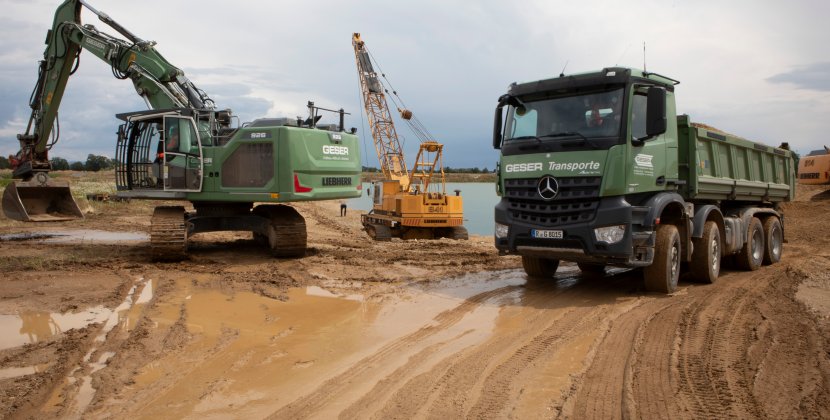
406 114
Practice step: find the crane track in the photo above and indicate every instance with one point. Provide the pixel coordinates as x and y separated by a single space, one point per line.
168 234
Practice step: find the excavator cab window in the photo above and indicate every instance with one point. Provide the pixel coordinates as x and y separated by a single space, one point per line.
182 154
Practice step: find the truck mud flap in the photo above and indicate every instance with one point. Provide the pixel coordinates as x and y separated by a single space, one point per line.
36 201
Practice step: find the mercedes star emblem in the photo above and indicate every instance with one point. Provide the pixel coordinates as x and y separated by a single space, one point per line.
548 187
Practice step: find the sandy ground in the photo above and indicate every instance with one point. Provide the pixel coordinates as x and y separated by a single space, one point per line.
91 328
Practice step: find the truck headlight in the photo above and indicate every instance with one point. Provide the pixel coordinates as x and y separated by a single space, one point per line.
610 234
501 231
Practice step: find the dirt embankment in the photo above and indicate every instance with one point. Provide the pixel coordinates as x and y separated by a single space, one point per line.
361 329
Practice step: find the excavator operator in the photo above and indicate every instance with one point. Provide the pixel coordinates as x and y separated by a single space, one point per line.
172 142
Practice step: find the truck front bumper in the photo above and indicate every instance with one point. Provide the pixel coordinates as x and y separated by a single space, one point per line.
578 242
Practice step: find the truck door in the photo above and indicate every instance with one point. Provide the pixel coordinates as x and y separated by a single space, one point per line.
648 161
182 155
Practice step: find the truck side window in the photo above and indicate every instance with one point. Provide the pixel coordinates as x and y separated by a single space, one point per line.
638 116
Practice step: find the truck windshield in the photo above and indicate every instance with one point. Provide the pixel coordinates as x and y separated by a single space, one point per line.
581 117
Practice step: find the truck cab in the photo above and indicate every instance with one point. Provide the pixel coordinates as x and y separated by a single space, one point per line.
562 175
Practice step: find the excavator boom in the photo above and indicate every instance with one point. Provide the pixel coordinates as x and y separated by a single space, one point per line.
162 85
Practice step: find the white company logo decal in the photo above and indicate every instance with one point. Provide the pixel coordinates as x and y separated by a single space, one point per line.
644 161
523 167
332 152
581 167
335 150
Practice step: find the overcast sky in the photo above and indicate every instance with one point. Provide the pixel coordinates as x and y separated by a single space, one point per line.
758 69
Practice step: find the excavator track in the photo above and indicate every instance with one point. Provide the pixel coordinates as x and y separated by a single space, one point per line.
168 234
287 236
379 232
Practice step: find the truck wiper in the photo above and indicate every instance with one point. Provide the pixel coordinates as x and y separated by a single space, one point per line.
525 138
572 133
528 146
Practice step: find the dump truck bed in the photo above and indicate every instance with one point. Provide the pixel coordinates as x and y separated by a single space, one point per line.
719 166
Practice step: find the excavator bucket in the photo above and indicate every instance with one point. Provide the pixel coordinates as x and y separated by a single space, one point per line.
37 201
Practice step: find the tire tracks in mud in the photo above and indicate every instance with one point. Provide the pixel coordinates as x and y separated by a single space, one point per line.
482 380
701 353
478 381
330 389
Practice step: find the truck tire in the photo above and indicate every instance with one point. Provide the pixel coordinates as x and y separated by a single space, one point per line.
773 240
752 254
706 257
591 269
663 273
539 267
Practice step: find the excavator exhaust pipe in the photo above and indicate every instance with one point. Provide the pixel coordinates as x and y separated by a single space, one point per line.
40 200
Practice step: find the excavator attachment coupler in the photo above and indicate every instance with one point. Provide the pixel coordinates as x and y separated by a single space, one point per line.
40 201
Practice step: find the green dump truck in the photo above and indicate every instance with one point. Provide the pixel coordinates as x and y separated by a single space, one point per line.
598 169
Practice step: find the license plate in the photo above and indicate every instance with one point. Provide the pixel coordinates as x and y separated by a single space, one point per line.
546 234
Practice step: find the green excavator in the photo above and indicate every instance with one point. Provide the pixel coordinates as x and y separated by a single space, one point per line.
237 176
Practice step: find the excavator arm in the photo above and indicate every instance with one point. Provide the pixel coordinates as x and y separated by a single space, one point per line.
158 82
36 197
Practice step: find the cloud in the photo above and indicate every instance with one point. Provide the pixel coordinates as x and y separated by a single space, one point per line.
448 60
814 76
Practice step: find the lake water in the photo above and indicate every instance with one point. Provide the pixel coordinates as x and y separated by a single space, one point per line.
479 200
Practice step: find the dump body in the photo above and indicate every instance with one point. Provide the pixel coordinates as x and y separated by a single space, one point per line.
724 167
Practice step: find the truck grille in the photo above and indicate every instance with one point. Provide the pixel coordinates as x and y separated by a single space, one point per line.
577 201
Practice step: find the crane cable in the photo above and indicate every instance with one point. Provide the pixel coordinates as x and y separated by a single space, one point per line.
362 116
414 123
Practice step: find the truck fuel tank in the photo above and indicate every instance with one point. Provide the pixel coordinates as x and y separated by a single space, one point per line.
40 200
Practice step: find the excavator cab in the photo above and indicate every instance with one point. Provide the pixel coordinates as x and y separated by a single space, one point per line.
40 199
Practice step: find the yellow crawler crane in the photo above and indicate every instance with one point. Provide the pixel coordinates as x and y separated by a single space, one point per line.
406 204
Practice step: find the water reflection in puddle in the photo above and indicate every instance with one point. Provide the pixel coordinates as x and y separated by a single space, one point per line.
251 353
78 236
33 327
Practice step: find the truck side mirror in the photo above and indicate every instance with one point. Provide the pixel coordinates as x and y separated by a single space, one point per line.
497 127
656 112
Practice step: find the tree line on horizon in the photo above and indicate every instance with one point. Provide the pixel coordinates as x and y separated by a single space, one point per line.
94 163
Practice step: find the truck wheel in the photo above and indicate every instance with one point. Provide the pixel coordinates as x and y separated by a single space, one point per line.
752 254
664 271
706 258
539 267
774 240
591 269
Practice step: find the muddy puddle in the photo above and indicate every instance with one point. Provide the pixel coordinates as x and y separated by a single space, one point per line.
78 236
247 355
250 355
